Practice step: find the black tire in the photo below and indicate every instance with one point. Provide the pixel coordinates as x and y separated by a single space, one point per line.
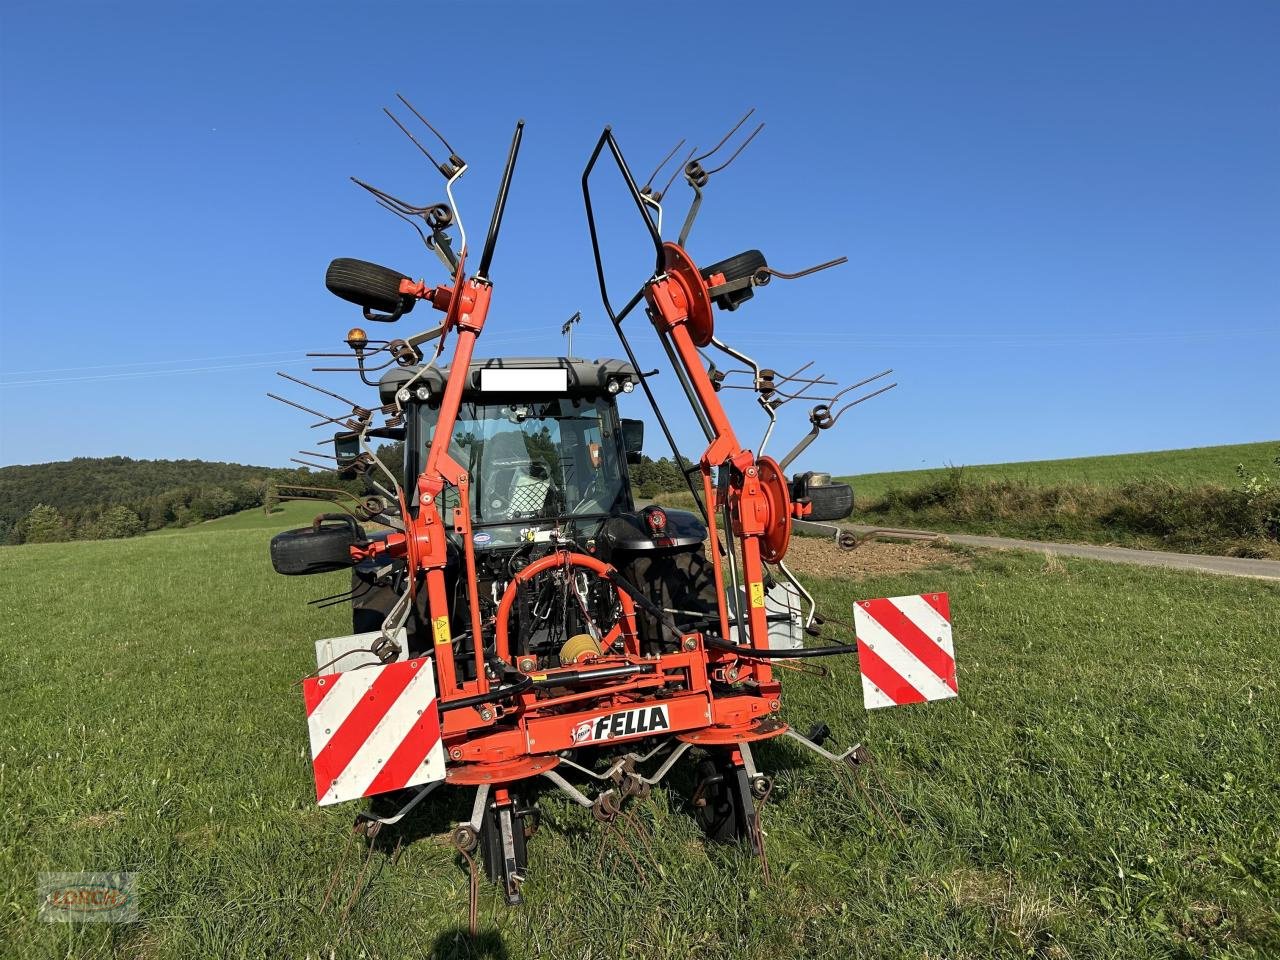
833 501
713 809
727 814
740 267
307 550
368 285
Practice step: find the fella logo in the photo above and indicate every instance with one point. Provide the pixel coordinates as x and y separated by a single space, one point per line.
627 723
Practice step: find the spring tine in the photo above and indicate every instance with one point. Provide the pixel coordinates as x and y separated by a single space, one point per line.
313 466
658 168
327 393
405 130
795 373
367 351
725 138
802 273
403 205
742 147
313 453
407 219
315 413
674 173
367 368
860 383
334 490
854 403
453 154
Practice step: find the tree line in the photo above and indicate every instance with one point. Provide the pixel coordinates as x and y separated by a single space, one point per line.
97 498
103 498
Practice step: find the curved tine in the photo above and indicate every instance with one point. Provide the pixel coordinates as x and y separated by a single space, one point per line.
427 123
795 373
801 393
314 413
327 393
658 169
804 273
407 219
313 453
741 147
725 138
367 352
860 383
405 130
808 385
314 466
408 208
674 173
366 368
854 403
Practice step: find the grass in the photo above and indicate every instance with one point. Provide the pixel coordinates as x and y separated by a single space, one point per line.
1104 787
1190 501
1215 465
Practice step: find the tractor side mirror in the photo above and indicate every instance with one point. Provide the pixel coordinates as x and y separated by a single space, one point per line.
346 450
633 439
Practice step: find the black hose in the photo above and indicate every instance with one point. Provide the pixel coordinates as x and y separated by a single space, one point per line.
634 592
752 652
501 693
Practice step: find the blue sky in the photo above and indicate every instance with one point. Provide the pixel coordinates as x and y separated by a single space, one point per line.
1063 220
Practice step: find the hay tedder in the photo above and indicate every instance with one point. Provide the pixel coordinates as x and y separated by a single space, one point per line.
520 622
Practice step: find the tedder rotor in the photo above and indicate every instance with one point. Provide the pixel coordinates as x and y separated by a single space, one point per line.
520 622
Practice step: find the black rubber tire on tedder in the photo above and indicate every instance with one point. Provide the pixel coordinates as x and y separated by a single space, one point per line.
740 267
832 501
368 285
829 501
320 548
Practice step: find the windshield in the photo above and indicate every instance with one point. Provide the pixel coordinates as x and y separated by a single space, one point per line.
536 460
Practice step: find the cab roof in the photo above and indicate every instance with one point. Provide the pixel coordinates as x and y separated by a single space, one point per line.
584 377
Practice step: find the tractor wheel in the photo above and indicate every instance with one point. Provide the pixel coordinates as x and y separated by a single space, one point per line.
312 550
368 285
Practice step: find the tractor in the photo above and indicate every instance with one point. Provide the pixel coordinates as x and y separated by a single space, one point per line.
520 620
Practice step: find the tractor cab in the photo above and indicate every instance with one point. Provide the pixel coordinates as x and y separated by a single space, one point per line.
540 438
547 455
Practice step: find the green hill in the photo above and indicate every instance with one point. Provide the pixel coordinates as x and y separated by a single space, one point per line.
1191 500
92 498
1190 466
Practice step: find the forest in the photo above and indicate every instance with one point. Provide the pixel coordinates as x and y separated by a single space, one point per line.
105 498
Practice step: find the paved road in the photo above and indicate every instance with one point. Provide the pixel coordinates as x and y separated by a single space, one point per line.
1230 566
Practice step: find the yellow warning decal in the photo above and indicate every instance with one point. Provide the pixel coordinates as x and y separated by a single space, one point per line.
757 594
440 627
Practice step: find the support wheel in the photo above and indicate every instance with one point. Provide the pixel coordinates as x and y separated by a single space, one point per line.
723 806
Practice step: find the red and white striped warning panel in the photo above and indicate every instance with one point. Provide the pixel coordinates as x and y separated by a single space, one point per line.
373 730
904 650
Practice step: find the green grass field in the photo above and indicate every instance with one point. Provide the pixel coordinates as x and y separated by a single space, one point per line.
1105 786
1183 467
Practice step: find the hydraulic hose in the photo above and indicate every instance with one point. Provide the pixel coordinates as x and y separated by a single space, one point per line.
500 693
754 653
